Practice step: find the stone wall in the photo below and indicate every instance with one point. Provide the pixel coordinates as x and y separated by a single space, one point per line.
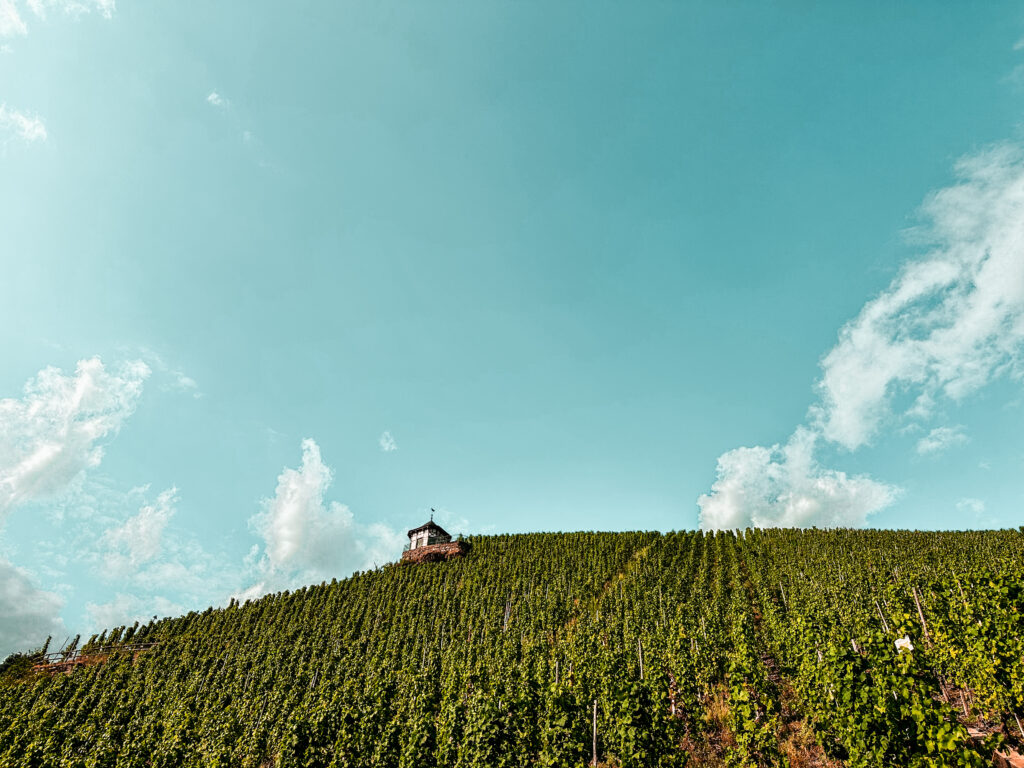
433 553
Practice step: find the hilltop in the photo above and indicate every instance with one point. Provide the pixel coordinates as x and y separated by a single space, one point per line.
769 648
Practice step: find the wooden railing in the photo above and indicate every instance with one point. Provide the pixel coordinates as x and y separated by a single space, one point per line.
66 659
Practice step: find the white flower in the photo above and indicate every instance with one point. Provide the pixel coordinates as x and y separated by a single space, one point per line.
904 644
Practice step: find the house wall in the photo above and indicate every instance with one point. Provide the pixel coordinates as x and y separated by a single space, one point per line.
425 538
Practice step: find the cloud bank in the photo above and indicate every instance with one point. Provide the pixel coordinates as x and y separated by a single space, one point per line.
951 322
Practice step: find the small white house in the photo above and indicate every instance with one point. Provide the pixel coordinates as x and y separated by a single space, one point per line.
428 533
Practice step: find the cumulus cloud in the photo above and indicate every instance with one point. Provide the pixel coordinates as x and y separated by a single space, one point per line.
387 442
306 538
27 614
783 486
950 322
20 125
941 439
57 430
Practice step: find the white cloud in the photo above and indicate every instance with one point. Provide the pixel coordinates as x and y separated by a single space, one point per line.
783 486
214 99
170 376
974 514
146 551
307 539
21 125
941 439
56 431
183 382
456 524
973 506
28 128
951 321
125 609
387 442
75 8
27 613
11 23
139 539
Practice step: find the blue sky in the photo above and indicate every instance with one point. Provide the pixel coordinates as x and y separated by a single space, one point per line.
277 282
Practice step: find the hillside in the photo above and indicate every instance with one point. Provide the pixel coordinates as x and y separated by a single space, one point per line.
777 647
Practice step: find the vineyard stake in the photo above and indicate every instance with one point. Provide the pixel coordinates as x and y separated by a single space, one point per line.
920 615
957 580
885 624
593 760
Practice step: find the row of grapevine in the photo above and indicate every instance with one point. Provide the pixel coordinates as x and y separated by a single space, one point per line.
544 649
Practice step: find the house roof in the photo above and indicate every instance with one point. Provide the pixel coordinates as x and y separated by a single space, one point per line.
429 526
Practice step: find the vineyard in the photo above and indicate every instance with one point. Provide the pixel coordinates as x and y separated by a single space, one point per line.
768 648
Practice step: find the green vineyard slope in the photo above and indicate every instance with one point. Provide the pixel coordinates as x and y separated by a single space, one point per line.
762 648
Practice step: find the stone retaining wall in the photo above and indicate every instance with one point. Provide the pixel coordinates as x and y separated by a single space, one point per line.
433 553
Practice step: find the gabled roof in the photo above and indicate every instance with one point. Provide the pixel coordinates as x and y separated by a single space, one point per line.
430 526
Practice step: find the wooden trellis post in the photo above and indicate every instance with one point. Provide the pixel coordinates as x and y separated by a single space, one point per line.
920 615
